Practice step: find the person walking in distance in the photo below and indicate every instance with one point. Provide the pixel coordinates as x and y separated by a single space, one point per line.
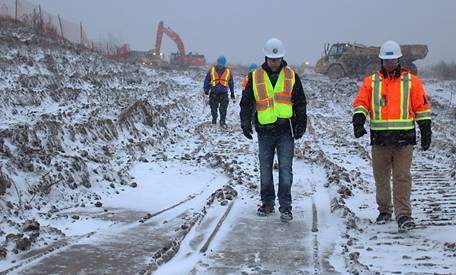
218 80
395 99
252 67
275 92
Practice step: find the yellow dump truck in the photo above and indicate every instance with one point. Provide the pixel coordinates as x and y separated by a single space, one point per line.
357 61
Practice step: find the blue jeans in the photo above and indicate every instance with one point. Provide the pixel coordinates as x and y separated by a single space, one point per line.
268 143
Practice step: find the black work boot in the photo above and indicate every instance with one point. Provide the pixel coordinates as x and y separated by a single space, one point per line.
214 120
265 209
222 124
405 223
383 218
286 216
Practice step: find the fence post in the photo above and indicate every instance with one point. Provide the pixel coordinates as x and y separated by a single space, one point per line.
80 36
451 96
40 20
60 24
16 10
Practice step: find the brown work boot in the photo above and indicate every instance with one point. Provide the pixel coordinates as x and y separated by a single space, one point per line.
383 218
405 223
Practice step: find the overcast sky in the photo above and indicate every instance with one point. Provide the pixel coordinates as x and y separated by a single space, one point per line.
238 29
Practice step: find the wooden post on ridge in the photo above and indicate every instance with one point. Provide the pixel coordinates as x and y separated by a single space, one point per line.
80 30
60 24
40 19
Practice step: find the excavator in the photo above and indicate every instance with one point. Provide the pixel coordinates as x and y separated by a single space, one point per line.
178 58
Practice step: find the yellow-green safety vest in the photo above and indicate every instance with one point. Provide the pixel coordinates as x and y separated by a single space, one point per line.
273 102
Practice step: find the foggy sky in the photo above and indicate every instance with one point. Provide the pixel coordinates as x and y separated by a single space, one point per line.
238 29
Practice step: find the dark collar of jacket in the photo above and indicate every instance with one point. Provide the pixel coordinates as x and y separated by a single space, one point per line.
394 74
269 71
219 68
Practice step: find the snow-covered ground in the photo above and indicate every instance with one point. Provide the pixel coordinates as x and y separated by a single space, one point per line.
115 168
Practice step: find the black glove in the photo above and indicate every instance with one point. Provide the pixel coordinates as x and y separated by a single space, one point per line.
426 134
232 96
358 125
359 130
425 142
299 125
206 92
247 131
298 132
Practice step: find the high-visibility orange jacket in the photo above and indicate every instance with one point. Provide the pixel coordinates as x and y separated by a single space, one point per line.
392 103
244 83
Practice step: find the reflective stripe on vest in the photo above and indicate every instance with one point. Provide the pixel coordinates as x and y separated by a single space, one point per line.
403 122
273 102
222 80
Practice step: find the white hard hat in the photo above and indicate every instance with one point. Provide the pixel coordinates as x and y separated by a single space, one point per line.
390 50
274 48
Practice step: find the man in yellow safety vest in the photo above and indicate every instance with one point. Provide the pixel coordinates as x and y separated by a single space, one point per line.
275 92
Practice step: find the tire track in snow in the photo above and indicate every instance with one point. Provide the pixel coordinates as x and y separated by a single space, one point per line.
433 195
216 229
34 256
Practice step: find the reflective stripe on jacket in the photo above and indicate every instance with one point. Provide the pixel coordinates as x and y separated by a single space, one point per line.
273 102
222 80
393 103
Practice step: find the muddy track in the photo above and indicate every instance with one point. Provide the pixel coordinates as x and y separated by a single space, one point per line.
204 228
216 228
39 253
115 215
438 206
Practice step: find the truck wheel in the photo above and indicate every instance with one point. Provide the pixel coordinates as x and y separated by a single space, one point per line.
335 72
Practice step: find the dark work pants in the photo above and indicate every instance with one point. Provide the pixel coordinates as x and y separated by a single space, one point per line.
268 144
218 103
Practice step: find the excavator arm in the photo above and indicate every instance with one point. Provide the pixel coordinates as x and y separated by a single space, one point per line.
172 35
180 57
158 40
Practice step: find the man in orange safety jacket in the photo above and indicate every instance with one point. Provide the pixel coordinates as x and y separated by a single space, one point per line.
394 99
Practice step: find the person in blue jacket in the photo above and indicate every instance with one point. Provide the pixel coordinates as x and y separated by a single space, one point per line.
216 84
